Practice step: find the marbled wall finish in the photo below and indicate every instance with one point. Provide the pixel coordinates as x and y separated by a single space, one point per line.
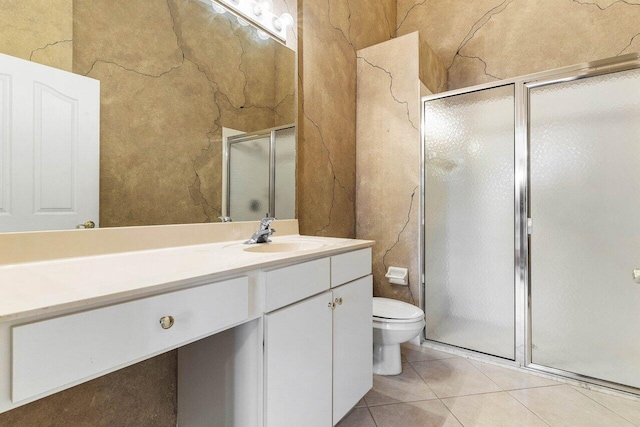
143 394
40 31
168 85
172 75
486 40
330 33
388 156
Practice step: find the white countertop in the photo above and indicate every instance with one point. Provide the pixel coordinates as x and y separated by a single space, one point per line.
36 288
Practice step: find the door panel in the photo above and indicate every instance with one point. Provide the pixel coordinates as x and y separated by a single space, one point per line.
584 188
49 147
298 364
352 344
249 179
469 220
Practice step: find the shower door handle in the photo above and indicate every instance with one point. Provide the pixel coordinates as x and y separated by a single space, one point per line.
636 275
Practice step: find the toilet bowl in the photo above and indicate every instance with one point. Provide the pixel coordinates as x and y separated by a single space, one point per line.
394 322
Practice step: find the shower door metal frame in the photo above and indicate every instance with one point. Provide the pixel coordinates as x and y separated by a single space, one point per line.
522 285
252 136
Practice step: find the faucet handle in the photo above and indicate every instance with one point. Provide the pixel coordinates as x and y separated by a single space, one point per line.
267 220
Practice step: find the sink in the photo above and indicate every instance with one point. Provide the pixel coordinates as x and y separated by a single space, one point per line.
284 247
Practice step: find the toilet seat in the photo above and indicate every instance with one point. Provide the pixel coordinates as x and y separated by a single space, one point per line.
386 310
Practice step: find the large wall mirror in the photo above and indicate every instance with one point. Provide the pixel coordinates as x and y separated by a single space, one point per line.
197 110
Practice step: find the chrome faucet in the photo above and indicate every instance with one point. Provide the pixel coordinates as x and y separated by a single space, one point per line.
263 233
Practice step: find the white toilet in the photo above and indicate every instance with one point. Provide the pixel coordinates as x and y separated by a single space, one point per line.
394 322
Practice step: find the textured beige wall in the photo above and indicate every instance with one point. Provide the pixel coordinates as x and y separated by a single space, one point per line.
172 75
40 31
388 159
143 394
388 154
331 32
486 40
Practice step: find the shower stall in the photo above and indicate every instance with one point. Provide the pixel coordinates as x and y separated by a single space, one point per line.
531 210
259 171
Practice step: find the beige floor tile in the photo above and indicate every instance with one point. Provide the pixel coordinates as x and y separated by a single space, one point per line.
454 377
406 387
361 404
492 410
626 408
359 417
416 353
511 379
563 406
430 413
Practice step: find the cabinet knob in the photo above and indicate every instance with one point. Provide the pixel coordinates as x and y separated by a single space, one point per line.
331 305
166 322
338 301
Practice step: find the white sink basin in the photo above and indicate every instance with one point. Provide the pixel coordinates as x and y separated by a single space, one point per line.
284 247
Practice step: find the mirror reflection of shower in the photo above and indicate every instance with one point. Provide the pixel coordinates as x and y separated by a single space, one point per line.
260 169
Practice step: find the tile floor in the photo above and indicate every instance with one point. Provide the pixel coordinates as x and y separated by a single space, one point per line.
441 389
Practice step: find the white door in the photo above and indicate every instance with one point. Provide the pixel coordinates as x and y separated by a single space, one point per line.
298 364
49 147
352 344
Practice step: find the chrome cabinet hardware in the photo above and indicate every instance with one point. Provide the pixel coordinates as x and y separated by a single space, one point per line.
88 224
636 275
338 301
166 322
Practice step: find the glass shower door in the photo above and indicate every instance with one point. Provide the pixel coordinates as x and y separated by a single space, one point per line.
249 179
585 241
469 220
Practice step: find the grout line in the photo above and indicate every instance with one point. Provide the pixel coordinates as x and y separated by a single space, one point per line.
451 412
528 409
534 387
602 404
488 377
371 415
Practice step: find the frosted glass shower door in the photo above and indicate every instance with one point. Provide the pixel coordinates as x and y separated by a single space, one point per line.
469 220
585 242
249 179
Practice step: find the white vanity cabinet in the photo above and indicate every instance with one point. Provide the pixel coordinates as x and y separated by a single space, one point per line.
318 352
267 344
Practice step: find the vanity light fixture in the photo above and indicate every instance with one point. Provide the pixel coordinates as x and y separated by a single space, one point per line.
260 14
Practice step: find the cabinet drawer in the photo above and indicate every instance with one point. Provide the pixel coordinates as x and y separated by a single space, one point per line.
57 352
291 284
350 266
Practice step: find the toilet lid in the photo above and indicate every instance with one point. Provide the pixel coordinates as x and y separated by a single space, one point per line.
386 308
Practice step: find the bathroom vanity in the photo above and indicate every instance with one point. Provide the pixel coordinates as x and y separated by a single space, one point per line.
276 334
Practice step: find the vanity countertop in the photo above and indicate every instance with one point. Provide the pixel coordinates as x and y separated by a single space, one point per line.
31 289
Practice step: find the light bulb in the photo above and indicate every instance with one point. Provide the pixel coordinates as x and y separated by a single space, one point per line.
242 21
257 10
217 8
282 22
266 5
262 35
286 19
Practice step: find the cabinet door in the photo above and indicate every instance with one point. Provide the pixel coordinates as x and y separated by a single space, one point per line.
352 345
298 364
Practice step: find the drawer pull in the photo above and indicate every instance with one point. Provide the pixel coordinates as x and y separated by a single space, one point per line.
166 322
